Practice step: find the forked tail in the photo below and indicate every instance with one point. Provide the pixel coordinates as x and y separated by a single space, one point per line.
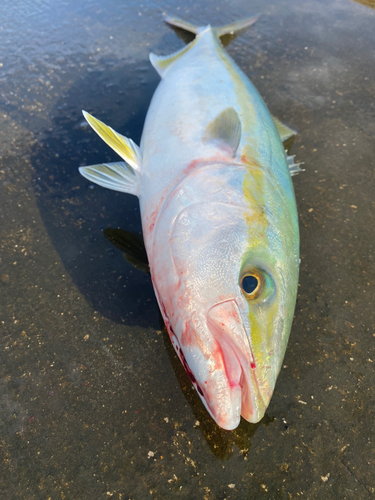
220 31
224 33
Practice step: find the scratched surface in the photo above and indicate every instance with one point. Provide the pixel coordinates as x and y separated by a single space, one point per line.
93 401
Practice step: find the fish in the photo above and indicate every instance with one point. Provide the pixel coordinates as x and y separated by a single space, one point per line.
219 220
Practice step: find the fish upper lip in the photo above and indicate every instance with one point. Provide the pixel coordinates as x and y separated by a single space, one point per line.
225 323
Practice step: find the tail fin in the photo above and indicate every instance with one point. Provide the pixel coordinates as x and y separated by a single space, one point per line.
229 29
225 33
236 27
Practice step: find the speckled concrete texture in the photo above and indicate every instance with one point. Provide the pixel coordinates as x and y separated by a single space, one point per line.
94 403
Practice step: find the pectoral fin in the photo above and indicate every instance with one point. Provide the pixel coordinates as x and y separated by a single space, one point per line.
225 130
118 176
131 245
123 146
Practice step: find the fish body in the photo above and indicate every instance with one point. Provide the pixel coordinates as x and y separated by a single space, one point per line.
219 223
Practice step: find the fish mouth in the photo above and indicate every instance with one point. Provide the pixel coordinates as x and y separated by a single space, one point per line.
237 388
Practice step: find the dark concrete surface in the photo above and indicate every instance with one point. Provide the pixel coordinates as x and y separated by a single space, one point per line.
93 402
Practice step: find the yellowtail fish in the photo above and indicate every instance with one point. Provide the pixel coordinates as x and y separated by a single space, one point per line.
219 221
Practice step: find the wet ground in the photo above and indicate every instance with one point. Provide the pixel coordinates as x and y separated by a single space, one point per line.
93 401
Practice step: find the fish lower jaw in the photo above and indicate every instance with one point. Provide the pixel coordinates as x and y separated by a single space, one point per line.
241 402
234 393
229 416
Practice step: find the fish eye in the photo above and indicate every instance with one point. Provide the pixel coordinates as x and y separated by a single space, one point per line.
250 284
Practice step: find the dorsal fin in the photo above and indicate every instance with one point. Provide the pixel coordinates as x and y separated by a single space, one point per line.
225 129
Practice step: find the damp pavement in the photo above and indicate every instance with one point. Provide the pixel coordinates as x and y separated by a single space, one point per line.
94 403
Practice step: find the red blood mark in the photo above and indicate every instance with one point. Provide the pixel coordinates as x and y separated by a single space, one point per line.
200 390
192 166
31 419
201 162
154 215
166 321
178 349
187 367
190 373
219 356
253 365
152 220
248 161
187 337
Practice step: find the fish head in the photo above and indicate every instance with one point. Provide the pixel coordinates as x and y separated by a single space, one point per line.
230 307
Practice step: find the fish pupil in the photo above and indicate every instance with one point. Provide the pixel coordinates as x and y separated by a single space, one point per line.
249 284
